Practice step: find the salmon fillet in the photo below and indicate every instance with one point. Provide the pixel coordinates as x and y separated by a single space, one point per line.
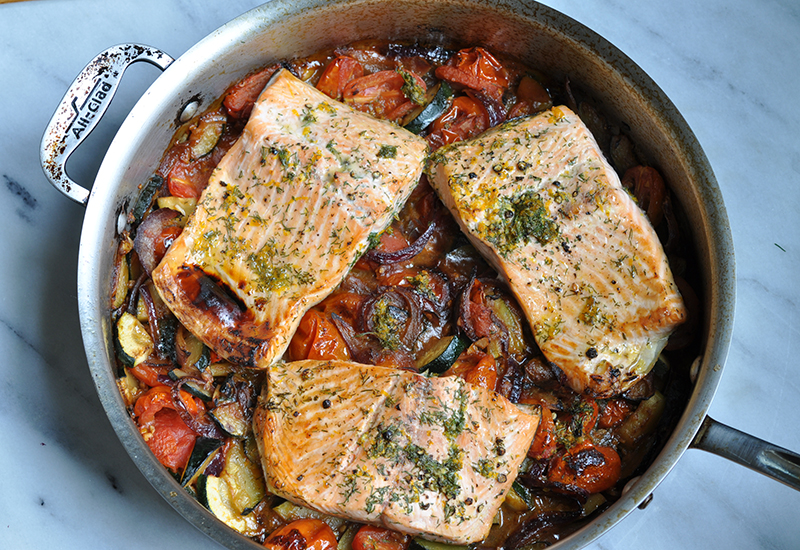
429 456
286 213
538 199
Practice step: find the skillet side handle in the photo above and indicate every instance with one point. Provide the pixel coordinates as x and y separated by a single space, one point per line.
83 106
759 455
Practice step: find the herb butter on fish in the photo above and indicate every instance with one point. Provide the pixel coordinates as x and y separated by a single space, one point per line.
541 203
286 213
428 456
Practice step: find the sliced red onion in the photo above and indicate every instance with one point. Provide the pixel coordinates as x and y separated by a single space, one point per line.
358 348
133 295
148 234
405 253
494 108
153 319
398 296
198 426
532 530
217 464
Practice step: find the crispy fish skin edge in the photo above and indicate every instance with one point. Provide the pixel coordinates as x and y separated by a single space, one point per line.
257 345
600 377
527 418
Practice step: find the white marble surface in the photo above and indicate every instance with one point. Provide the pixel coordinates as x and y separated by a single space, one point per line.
730 66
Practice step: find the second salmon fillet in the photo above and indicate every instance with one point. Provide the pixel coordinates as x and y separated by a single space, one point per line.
287 212
539 200
429 456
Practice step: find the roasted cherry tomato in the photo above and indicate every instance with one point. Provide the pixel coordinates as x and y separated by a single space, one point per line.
531 98
370 537
477 69
170 439
464 119
381 94
583 417
303 534
615 411
476 367
338 74
317 338
587 466
242 96
186 176
544 442
149 373
346 305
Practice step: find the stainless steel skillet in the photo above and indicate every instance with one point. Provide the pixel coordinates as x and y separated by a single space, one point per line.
549 40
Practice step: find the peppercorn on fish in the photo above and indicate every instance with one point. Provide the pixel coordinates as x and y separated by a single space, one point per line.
429 456
286 213
539 200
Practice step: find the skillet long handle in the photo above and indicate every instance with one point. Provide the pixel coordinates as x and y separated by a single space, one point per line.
759 455
83 106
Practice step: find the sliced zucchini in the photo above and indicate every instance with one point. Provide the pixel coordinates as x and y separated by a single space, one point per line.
643 421
121 274
433 110
167 328
217 495
134 339
220 369
524 494
205 449
346 540
442 354
193 386
231 418
207 133
515 498
146 199
191 353
233 495
516 342
290 512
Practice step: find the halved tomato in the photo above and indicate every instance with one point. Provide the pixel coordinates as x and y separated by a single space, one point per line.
465 118
338 73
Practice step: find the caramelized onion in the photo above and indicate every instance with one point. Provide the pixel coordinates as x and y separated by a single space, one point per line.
358 346
404 253
494 107
397 297
133 295
536 529
154 236
201 427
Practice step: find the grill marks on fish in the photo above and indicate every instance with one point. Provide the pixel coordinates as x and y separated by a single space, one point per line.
539 200
432 456
286 213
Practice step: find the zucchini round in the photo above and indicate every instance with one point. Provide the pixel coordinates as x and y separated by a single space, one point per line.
443 354
433 110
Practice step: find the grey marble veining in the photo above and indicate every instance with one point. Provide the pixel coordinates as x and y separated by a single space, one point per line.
731 67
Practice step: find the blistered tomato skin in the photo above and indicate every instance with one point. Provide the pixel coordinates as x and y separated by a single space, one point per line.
303 534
